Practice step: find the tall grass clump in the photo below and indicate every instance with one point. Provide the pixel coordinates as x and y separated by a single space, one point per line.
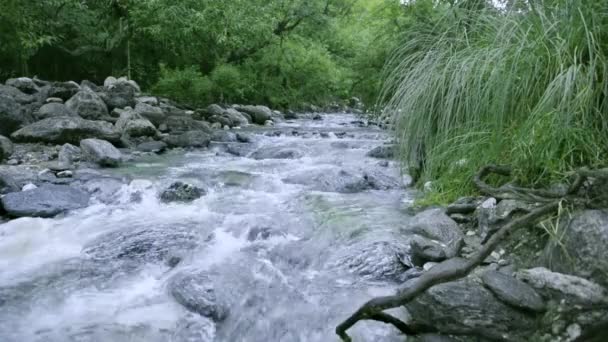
526 87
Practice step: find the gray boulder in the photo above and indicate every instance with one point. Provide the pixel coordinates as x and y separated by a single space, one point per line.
439 232
88 84
582 248
466 307
341 181
17 95
556 286
45 201
101 152
189 139
513 291
149 100
12 115
24 84
147 111
6 148
120 95
51 110
63 90
277 152
184 123
259 114
60 130
235 117
88 105
196 292
181 192
152 146
194 329
134 125
382 152
69 153
214 109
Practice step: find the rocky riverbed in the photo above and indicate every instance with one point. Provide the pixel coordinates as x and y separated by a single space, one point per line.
132 219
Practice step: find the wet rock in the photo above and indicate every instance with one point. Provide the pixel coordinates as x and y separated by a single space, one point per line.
235 118
189 139
581 249
441 237
134 125
382 152
553 285
223 136
181 192
101 152
466 307
69 154
243 138
6 148
154 114
342 181
262 233
376 261
196 292
317 117
24 84
513 291
65 174
276 152
291 115
194 329
102 189
143 244
51 110
88 105
45 201
184 123
259 114
62 130
152 146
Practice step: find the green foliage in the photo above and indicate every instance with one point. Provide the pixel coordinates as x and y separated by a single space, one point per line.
186 85
525 87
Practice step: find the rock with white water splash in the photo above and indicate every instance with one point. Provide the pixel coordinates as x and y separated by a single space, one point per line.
277 152
181 192
194 328
382 152
45 201
101 152
196 292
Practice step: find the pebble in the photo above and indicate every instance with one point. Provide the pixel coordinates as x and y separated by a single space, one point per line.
12 162
65 174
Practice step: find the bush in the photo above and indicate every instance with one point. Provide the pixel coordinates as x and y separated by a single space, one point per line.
522 88
187 85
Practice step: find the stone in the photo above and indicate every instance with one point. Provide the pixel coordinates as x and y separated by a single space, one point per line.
63 90
382 152
134 125
214 109
120 95
45 201
424 250
90 85
183 123
513 291
101 152
12 115
152 146
181 192
6 148
147 111
236 118
60 130
341 181
88 105
196 292
54 100
149 100
465 307
65 174
24 84
434 224
259 114
194 329
69 154
243 138
581 249
16 95
317 117
188 139
263 233
277 152
223 136
50 110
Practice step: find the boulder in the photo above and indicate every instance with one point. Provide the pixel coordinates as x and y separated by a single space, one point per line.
61 130
112 81
236 118
465 307
51 110
339 180
581 249
88 84
181 192
149 100
513 291
45 201
214 109
556 286
120 95
88 105
24 84
17 95
147 111
382 152
221 119
152 146
135 125
6 148
63 90
277 152
194 328
101 152
223 136
189 139
12 115
196 292
69 153
259 114
439 232
185 123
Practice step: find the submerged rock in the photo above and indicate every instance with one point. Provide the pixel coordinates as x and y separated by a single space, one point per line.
152 146
382 152
181 192
276 152
194 329
196 292
101 152
45 201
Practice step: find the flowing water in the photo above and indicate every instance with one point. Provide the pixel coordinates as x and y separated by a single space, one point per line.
288 245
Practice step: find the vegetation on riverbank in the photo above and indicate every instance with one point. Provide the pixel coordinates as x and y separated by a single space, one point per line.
525 85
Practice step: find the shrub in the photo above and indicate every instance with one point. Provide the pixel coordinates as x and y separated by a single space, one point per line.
187 85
